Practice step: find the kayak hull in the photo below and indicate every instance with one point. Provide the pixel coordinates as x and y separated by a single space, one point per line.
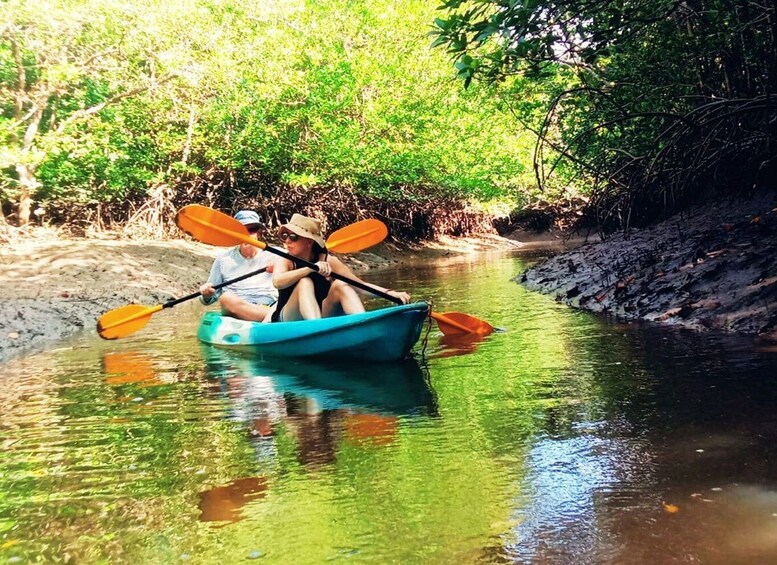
387 334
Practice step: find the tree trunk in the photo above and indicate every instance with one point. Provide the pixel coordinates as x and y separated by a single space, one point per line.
189 134
27 184
26 173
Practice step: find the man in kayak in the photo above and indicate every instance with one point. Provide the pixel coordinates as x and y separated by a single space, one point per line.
250 299
305 294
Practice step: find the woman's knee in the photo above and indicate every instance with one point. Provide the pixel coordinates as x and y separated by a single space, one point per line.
305 286
340 289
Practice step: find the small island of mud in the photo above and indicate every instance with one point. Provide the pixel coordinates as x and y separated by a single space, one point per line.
713 267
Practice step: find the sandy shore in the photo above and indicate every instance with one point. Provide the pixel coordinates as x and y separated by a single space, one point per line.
54 287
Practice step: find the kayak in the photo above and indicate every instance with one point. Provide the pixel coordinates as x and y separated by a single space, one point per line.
387 334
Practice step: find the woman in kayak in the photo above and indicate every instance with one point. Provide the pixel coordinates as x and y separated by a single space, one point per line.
304 294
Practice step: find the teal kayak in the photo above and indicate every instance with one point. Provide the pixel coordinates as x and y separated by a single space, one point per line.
387 334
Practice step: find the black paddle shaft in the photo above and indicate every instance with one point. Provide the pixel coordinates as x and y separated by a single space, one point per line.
351 282
173 302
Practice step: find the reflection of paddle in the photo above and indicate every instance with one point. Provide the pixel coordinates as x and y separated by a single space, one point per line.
215 228
224 504
365 428
459 344
126 320
128 367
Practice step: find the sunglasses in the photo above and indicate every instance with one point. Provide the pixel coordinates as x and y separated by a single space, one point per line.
289 235
254 229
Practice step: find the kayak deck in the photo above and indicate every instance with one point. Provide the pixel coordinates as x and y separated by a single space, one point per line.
387 334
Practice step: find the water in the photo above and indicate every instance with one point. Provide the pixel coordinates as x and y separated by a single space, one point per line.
567 438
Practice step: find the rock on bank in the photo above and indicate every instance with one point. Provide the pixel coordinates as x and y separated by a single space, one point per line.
714 267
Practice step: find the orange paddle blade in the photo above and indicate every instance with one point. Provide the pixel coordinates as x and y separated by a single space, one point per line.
213 227
128 367
125 320
453 323
358 236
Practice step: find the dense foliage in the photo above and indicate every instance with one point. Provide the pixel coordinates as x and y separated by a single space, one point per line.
654 103
128 107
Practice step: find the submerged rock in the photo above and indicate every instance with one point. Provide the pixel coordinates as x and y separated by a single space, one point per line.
714 267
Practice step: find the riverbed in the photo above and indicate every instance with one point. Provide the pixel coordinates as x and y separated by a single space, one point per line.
565 438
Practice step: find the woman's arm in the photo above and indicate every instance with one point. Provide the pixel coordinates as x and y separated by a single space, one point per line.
284 274
342 269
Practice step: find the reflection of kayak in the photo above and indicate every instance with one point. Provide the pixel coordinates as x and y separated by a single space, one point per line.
394 388
379 335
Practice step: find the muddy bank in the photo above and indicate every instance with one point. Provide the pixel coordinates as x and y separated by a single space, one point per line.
712 268
54 287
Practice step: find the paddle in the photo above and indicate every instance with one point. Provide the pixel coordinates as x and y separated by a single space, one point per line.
458 323
215 228
128 319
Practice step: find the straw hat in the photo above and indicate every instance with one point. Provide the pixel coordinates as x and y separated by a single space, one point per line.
305 227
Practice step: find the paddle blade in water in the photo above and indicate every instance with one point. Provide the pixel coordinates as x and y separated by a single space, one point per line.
125 320
213 227
358 236
453 323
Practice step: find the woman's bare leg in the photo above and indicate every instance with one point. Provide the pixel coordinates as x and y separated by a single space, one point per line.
342 299
302 303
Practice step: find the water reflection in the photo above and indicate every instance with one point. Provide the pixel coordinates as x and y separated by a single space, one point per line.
320 407
398 388
458 344
669 440
568 439
124 367
224 504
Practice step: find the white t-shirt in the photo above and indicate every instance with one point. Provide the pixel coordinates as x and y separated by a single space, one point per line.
232 264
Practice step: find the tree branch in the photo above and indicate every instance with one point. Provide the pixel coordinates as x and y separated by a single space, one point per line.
112 100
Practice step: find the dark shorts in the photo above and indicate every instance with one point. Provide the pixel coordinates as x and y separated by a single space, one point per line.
265 300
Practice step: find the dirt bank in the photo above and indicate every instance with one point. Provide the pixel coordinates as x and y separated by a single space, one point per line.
712 268
53 287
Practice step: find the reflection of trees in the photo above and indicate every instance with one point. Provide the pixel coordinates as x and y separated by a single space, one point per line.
95 450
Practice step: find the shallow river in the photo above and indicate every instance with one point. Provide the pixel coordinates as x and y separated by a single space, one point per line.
566 438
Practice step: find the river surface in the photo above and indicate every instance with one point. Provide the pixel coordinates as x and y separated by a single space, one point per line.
567 438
